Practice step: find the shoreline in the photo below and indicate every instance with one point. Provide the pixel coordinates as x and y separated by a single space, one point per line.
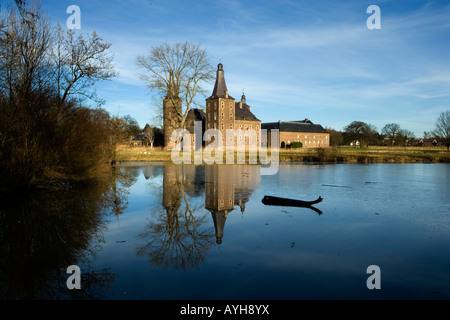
319 155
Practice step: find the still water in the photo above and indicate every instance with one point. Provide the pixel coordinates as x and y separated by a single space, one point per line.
201 232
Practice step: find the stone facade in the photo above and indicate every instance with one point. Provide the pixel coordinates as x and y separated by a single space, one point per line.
308 140
171 113
309 134
171 116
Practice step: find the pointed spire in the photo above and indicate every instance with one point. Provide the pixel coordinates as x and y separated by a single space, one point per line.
219 219
220 87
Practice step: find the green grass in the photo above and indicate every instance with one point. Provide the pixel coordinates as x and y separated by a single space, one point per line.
337 155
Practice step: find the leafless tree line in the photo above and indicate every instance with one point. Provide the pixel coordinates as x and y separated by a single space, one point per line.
46 134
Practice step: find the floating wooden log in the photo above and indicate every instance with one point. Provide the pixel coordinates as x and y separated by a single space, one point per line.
277 201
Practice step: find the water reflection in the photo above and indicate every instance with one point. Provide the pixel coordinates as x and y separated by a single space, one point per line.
227 186
121 181
181 232
183 218
178 235
41 234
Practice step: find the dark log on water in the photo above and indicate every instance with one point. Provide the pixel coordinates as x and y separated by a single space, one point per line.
277 201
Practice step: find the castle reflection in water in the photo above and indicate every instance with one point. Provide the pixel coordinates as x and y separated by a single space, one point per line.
224 187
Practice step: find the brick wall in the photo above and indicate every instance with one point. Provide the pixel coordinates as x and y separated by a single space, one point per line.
308 139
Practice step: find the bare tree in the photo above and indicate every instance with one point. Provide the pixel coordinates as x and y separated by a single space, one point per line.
361 132
187 63
79 62
149 134
391 131
25 41
46 141
406 136
442 129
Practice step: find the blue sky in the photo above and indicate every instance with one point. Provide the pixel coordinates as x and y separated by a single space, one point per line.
294 59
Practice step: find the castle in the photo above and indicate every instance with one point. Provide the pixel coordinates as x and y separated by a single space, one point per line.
223 112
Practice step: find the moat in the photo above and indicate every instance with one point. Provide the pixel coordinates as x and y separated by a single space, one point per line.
201 232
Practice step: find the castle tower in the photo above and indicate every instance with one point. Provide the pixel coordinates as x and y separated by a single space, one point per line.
220 106
219 195
171 112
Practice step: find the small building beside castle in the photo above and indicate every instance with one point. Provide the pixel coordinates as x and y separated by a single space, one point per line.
309 134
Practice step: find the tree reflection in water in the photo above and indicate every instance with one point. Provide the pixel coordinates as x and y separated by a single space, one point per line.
179 234
42 233
122 179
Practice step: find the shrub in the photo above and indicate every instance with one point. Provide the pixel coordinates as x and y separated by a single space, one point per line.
296 144
44 144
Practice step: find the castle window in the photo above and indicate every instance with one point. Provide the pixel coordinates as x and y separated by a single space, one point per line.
215 117
250 126
231 126
257 126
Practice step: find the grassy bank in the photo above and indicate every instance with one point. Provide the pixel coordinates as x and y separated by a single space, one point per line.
337 155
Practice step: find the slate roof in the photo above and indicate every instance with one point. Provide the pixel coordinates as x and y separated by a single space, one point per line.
294 126
220 87
243 113
196 115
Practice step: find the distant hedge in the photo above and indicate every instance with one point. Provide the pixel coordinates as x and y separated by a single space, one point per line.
296 144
